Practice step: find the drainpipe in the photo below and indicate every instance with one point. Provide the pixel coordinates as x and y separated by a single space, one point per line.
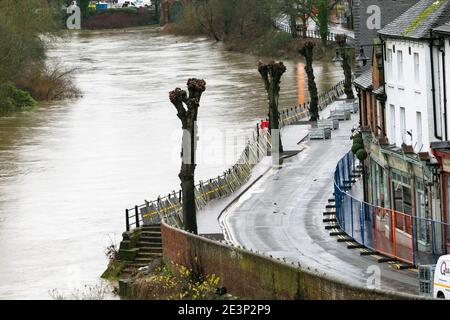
383 102
433 88
444 79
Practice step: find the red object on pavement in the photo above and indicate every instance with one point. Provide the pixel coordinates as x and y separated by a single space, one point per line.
264 125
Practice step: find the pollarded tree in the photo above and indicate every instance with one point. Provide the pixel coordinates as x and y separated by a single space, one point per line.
308 52
271 74
188 117
341 40
323 20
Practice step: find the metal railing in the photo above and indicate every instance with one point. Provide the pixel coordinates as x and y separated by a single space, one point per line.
410 239
169 207
312 34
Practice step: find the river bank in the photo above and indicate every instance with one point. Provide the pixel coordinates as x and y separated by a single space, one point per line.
268 42
69 168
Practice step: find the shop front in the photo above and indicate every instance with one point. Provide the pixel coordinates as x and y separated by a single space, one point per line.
443 158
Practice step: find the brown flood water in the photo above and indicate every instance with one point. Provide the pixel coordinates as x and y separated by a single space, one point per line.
69 169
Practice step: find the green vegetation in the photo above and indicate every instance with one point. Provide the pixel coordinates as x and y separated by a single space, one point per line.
25 28
13 99
115 268
176 283
361 155
247 25
358 147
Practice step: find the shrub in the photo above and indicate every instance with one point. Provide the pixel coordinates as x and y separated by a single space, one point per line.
183 283
13 99
276 40
357 138
356 147
361 155
49 83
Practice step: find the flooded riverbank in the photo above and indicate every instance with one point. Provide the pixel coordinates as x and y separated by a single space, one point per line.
69 169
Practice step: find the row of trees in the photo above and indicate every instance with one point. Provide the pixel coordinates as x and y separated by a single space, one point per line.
220 19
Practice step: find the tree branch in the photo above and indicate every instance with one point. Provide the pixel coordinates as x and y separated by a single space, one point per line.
177 97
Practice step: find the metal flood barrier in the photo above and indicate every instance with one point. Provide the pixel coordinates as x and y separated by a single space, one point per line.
410 239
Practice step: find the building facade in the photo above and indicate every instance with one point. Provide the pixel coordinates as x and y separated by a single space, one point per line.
404 120
371 15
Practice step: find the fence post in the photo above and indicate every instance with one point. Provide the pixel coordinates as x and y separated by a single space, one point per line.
433 236
362 220
413 239
136 210
127 219
351 213
394 232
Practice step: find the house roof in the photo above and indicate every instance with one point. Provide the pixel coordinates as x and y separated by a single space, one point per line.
417 21
445 28
364 81
379 91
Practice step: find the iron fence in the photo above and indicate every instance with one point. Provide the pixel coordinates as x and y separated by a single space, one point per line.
410 239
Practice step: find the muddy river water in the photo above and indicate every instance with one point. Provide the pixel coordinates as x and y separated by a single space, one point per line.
69 169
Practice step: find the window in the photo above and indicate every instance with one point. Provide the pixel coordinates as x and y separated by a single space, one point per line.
403 124
392 123
419 131
400 65
416 68
389 64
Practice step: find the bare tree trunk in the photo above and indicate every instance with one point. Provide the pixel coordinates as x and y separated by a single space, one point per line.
188 117
271 74
293 25
304 27
341 40
308 52
346 66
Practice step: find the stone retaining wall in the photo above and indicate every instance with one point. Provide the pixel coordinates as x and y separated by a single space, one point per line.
254 276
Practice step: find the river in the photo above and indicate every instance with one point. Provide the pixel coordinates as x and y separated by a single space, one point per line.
69 169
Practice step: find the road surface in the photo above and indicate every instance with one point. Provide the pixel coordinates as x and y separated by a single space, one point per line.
282 215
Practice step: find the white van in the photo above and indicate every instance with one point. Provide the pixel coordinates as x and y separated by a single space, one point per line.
441 283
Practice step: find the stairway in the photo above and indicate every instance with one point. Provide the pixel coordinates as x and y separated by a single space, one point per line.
150 247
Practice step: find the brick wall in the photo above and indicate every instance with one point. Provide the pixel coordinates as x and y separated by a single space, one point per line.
253 276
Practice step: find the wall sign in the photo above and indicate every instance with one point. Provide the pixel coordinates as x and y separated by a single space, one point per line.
73 22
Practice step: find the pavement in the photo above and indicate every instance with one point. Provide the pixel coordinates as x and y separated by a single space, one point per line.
281 215
208 217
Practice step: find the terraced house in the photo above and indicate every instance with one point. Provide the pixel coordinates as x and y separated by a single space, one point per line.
405 127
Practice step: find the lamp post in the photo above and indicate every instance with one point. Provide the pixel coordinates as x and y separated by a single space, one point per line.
342 56
361 58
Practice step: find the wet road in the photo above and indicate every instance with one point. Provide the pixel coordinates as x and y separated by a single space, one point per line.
281 215
69 169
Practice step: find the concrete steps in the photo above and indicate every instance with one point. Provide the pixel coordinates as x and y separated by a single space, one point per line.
150 247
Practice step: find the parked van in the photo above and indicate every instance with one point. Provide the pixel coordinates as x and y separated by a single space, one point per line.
441 282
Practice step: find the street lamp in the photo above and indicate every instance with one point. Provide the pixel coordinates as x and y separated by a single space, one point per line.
362 58
337 58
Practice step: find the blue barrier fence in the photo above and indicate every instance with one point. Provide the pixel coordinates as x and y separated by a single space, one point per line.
395 234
